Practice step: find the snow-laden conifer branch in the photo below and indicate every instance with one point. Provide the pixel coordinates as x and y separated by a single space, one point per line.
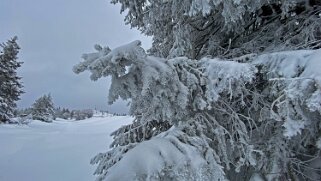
241 117
249 111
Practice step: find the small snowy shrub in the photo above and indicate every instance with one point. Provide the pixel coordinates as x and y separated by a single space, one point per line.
43 109
21 120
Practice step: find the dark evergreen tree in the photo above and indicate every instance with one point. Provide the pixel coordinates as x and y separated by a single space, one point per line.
10 83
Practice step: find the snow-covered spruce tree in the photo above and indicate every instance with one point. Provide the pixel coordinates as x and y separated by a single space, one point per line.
10 85
225 28
43 109
249 112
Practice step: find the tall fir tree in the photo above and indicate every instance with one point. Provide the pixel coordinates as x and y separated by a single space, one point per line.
10 82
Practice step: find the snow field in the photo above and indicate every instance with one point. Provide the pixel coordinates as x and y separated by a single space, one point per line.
58 151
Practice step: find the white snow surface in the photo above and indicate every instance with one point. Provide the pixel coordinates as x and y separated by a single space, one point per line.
164 151
58 151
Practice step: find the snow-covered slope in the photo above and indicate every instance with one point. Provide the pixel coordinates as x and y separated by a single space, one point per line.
56 151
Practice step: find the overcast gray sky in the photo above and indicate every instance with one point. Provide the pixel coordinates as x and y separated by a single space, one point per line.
53 34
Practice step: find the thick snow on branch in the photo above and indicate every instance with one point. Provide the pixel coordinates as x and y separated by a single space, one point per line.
226 76
299 73
164 156
106 62
220 113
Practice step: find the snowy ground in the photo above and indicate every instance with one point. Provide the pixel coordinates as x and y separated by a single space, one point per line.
58 151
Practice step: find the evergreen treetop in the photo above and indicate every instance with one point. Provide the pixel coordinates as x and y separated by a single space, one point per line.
225 28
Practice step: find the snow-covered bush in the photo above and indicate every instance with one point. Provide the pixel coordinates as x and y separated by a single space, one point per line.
236 119
66 115
82 114
63 113
43 109
20 120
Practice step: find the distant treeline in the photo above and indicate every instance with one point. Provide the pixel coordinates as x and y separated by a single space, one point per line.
65 113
